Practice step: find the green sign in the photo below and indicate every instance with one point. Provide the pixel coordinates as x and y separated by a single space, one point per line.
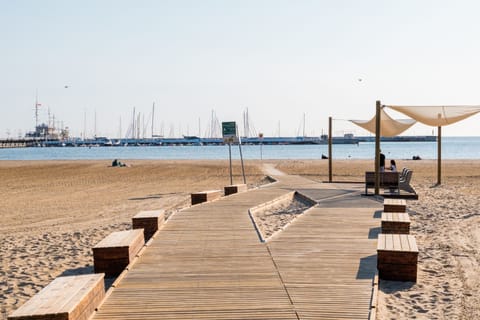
229 129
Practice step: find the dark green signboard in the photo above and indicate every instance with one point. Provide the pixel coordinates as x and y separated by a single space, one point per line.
229 129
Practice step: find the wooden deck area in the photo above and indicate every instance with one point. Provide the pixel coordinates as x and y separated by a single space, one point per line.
208 263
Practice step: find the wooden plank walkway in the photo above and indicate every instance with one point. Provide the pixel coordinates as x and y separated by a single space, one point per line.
208 263
327 261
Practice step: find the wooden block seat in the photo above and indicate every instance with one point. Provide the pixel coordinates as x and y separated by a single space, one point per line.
397 257
394 205
149 221
204 196
113 254
65 298
395 222
235 188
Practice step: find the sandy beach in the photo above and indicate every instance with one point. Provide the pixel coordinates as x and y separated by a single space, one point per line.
54 212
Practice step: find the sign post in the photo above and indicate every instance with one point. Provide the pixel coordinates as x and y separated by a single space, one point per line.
230 159
241 160
229 132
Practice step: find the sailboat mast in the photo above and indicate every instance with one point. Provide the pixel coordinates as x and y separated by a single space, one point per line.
133 124
120 127
84 123
153 116
95 124
199 128
36 109
304 124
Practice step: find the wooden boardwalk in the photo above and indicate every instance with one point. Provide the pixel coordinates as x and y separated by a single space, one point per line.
208 263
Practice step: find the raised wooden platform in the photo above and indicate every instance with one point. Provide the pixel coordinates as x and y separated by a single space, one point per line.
65 298
397 257
394 205
235 188
113 254
149 221
205 196
395 222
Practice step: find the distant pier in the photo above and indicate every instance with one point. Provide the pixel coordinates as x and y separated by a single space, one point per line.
16 143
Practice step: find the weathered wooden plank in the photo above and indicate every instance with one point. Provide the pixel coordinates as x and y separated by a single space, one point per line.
413 243
404 244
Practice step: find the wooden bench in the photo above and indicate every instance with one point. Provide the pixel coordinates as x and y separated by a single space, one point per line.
235 188
149 221
397 257
114 253
65 298
395 222
387 180
204 196
394 205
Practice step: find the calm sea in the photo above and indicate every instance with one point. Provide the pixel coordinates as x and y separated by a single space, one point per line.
452 148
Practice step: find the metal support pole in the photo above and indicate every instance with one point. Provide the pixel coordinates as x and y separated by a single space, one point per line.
330 170
439 156
241 160
377 147
230 157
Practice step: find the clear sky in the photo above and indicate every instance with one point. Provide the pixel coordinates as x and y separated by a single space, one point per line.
280 59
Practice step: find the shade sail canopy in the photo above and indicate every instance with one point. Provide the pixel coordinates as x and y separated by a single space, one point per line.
388 127
437 116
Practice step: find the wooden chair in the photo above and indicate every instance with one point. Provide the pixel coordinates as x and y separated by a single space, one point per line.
404 184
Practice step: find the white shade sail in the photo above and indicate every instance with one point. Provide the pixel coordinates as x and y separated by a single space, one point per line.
437 116
388 127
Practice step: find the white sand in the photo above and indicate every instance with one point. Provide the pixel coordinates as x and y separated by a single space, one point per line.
53 213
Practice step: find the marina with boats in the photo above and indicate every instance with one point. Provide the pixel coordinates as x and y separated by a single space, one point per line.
49 135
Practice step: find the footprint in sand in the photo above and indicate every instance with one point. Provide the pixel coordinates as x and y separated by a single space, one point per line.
420 309
432 272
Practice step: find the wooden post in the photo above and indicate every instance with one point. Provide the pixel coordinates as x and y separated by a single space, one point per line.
439 156
330 174
377 148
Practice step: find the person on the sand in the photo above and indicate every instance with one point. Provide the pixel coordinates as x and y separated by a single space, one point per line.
393 166
382 162
117 163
